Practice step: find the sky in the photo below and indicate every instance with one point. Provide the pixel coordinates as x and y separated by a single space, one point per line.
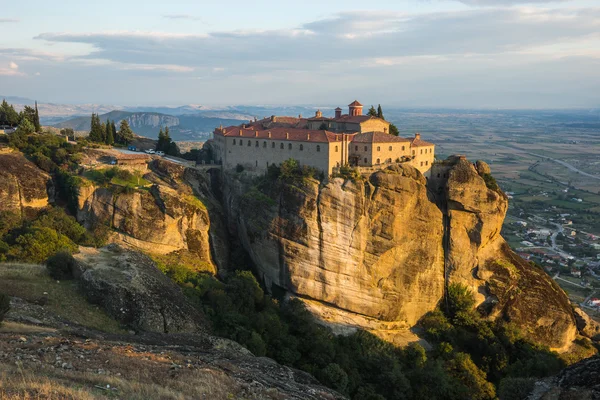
404 53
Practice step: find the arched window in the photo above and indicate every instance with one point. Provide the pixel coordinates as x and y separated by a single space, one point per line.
421 163
390 148
421 151
301 147
426 162
366 148
249 143
318 148
365 160
402 148
233 141
273 145
336 149
281 147
264 144
289 146
256 144
378 148
378 161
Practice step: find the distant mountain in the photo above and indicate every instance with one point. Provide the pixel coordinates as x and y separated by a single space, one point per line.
182 128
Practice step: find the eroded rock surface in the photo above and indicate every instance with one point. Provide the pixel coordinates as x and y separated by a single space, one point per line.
132 290
24 187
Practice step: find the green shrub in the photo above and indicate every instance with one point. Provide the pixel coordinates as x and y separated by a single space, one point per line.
335 377
61 265
38 244
515 388
460 300
490 182
4 305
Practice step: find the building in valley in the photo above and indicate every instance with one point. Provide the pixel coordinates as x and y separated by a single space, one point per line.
324 143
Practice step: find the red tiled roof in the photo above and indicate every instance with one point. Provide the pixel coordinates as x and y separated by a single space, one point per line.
378 137
418 142
355 103
290 134
355 118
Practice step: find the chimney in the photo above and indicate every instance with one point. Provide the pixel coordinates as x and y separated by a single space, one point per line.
338 113
269 134
241 133
417 136
308 136
255 133
273 118
318 114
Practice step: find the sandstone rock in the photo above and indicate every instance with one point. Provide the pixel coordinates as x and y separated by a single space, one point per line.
23 186
371 248
586 326
132 290
482 167
579 381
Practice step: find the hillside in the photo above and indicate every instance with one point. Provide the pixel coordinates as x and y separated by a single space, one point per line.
183 127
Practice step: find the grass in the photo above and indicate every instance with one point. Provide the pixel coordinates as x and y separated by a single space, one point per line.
30 282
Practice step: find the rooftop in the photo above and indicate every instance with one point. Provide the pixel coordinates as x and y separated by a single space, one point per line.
378 137
289 134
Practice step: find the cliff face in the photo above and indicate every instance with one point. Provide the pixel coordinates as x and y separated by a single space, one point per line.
371 253
24 188
166 218
137 120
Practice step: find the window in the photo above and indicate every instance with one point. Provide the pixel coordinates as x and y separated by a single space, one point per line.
318 148
336 149
378 161
402 148
273 145
233 141
256 144
413 152
241 144
378 148
301 147
289 146
426 162
421 151
421 163
365 160
281 147
366 148
438 175
264 144
249 143
356 148
389 160
390 149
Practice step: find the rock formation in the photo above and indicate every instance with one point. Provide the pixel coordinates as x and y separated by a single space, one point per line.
579 381
132 290
24 188
377 253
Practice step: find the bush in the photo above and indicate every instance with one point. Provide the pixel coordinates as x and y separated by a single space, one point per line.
38 244
335 377
61 265
4 305
490 182
515 388
460 300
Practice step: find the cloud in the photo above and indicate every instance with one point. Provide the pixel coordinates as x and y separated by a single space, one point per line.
8 20
12 69
182 16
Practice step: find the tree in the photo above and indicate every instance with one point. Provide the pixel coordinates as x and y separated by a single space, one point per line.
25 127
394 130
380 112
125 132
372 112
8 115
36 120
28 113
96 133
67 132
108 135
162 140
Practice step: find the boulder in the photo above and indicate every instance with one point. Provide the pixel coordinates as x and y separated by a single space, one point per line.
482 167
24 187
129 286
586 326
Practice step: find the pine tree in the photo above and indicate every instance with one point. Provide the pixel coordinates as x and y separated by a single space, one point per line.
379 112
96 133
125 132
394 130
108 136
113 130
372 112
29 114
36 121
160 145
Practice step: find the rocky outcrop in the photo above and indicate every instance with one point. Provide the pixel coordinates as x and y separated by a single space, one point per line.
377 253
580 381
132 290
24 188
586 326
506 286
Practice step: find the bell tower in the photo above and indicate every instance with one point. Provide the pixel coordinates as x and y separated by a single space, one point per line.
355 108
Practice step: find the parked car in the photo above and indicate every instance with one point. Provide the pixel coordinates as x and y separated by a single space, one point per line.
132 148
160 153
150 151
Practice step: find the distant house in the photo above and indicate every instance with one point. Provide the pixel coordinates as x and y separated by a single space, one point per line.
576 273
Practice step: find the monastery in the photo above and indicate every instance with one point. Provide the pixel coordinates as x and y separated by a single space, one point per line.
325 143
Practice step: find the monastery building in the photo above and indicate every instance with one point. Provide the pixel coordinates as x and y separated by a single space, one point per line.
324 143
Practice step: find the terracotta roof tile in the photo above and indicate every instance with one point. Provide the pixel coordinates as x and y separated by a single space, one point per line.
417 142
290 134
355 103
378 137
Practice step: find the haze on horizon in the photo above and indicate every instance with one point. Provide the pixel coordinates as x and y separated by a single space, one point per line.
413 53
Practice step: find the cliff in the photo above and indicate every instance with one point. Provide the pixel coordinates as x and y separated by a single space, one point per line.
24 188
377 253
164 218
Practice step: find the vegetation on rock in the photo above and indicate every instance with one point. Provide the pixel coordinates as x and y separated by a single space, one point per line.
4 305
60 266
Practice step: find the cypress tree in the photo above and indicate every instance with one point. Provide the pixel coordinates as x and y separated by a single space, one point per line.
109 138
160 145
96 132
113 130
380 112
36 121
372 112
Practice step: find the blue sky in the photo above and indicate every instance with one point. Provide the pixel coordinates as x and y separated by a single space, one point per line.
411 53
